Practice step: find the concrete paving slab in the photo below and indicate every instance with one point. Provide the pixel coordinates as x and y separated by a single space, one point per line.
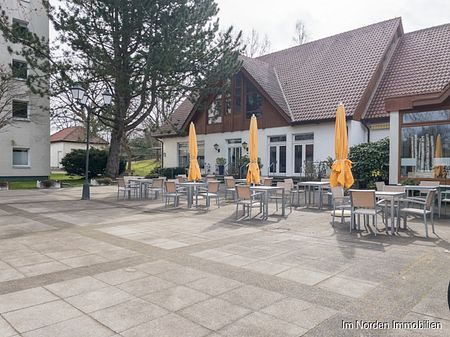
167 326
128 314
176 298
41 315
25 298
261 325
214 313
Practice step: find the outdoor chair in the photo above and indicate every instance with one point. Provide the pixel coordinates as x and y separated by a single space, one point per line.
293 190
171 193
132 185
279 195
230 187
445 199
428 183
364 202
423 208
327 190
341 204
211 191
210 177
157 187
380 185
248 200
267 181
123 188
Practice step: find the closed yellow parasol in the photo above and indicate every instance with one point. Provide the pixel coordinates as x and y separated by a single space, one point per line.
253 174
342 168
194 169
438 168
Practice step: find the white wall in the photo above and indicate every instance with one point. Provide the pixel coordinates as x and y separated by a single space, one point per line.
67 147
379 134
323 144
357 133
32 133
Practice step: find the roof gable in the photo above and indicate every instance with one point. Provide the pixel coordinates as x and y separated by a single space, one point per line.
420 65
75 134
316 76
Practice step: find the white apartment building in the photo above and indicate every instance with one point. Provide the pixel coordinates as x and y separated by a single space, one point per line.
24 143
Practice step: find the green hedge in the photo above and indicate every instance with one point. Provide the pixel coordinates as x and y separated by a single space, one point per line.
370 163
74 163
170 172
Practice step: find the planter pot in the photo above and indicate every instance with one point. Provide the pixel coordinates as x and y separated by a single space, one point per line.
221 170
42 185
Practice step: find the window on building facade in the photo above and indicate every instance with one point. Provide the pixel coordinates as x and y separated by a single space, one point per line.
19 69
183 154
21 157
425 144
19 109
253 101
20 27
215 111
238 93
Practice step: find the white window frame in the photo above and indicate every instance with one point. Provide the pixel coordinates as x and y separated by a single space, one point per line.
303 143
277 144
28 155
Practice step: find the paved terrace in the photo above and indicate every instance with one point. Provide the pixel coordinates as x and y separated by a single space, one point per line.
132 268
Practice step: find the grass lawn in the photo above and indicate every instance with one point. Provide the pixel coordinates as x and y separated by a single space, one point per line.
143 167
140 168
73 181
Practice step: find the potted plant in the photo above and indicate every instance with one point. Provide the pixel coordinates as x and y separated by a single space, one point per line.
220 162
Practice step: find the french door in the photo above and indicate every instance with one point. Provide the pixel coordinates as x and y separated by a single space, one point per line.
303 156
234 159
277 159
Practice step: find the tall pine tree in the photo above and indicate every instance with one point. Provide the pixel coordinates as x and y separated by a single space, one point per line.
139 50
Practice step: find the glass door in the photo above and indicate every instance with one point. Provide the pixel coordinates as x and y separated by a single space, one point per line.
277 159
234 159
303 158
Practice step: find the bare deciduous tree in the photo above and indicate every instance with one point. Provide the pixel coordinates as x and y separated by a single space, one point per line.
255 45
300 35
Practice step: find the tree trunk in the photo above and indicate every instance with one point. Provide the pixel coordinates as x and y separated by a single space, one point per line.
112 166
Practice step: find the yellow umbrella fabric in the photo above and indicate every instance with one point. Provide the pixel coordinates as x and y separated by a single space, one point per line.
341 173
194 169
253 174
438 170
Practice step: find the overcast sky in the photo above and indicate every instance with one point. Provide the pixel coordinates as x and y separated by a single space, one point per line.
323 18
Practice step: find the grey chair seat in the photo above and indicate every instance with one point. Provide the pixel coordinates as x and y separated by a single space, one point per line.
415 211
366 211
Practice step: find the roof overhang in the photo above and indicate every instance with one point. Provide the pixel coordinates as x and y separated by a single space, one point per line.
417 101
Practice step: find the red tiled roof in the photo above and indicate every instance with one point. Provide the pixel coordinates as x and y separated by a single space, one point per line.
316 76
420 65
174 124
266 76
75 134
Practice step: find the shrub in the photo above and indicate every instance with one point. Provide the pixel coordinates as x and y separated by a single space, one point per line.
370 163
47 183
75 162
104 181
221 161
171 172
